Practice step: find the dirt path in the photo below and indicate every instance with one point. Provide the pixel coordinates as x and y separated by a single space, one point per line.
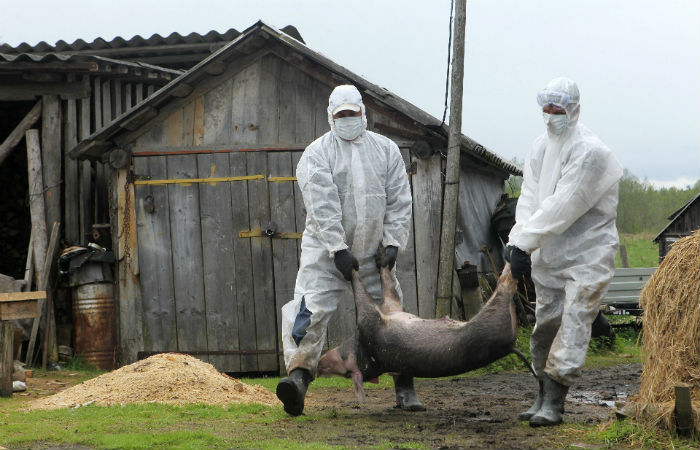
478 412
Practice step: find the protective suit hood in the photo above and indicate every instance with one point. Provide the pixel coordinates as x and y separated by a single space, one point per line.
564 93
342 94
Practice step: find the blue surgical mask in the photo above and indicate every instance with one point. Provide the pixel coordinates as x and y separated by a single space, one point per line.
348 128
556 123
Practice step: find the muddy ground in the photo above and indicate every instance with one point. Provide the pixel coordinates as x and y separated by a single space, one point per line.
481 412
462 412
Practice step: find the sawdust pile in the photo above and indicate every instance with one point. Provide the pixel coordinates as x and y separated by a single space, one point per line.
671 336
164 378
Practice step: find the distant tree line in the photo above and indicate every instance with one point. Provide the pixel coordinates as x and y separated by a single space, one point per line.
645 209
641 208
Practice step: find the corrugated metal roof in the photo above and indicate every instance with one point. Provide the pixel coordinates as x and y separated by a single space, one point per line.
676 215
98 141
62 57
80 45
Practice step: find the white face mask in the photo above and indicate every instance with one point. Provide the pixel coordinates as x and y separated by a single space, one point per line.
348 128
556 123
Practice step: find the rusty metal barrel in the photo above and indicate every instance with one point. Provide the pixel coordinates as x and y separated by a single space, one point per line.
94 320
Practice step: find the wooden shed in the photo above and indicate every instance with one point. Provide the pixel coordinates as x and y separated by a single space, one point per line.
683 222
207 217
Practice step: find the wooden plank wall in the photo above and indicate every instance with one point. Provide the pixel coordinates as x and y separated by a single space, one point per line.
77 193
84 186
427 201
207 289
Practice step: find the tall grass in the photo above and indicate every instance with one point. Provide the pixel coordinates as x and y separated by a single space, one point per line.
641 250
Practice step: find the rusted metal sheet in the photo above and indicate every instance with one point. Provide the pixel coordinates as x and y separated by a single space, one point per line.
94 320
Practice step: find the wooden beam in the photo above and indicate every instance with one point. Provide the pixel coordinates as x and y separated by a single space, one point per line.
71 185
20 308
32 91
18 133
20 296
50 352
51 156
683 410
37 213
215 68
6 362
138 119
182 90
85 175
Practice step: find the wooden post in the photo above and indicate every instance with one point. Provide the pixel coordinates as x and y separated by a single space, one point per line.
624 262
449 204
50 350
51 156
683 410
38 216
71 215
85 168
18 133
6 360
29 266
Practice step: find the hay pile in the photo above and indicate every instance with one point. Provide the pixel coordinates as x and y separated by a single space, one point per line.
164 378
671 336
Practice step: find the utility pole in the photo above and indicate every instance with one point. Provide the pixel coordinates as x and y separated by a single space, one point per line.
449 204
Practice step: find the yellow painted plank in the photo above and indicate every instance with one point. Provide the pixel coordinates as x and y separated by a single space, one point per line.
187 181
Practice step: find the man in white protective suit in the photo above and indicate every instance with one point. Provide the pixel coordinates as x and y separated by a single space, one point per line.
357 196
564 222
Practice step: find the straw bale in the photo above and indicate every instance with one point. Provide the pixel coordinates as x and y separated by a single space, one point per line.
164 378
671 335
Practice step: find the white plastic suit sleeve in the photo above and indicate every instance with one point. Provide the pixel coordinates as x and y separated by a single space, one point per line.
582 184
397 219
526 200
321 200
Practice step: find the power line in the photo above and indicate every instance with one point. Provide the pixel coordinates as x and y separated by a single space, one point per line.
449 49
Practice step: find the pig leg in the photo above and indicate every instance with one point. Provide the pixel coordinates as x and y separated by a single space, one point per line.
369 317
391 301
406 397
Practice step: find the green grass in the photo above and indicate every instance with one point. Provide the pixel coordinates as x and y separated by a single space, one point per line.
602 351
641 250
629 434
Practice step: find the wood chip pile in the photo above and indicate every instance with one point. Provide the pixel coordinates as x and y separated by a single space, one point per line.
671 336
164 378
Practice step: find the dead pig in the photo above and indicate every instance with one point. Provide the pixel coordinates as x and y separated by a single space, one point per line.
389 340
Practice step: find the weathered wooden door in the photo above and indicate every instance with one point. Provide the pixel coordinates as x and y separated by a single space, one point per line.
212 280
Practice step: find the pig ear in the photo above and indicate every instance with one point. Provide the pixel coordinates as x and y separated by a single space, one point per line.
357 386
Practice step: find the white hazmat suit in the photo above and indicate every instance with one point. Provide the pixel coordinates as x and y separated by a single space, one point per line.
357 196
565 219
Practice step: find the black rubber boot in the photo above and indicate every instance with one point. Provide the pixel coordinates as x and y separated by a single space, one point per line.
406 397
291 391
535 406
552 406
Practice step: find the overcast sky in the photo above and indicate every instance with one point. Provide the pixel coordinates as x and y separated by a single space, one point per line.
637 62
